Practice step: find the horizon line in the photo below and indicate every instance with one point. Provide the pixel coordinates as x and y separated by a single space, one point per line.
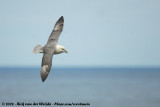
89 67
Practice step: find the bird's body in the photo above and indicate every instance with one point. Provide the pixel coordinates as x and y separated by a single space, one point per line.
50 49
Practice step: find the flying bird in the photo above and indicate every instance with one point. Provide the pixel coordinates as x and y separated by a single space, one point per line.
50 49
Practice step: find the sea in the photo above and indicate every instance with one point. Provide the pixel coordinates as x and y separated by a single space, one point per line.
80 87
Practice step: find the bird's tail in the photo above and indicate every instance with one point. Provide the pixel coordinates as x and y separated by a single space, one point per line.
38 49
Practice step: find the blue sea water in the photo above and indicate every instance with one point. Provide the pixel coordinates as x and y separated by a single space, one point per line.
100 87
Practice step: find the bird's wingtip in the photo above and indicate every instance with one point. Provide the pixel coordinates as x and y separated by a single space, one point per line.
43 77
43 80
44 73
61 19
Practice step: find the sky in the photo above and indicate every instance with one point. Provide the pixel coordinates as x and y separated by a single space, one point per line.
97 33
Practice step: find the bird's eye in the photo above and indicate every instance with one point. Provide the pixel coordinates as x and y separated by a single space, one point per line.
62 49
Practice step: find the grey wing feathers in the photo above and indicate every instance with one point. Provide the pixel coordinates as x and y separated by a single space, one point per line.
46 65
59 24
48 49
57 30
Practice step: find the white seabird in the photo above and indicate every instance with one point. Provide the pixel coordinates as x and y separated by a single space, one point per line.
50 49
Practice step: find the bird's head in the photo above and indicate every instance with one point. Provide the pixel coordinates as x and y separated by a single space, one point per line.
60 49
63 50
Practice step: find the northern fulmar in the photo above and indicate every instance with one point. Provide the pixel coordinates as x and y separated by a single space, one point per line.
50 49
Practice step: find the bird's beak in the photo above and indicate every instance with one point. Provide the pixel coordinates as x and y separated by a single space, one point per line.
65 51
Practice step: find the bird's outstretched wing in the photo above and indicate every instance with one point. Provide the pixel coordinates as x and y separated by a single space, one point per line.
56 31
49 48
46 65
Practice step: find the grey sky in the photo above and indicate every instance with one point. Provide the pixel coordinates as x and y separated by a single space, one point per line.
96 32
